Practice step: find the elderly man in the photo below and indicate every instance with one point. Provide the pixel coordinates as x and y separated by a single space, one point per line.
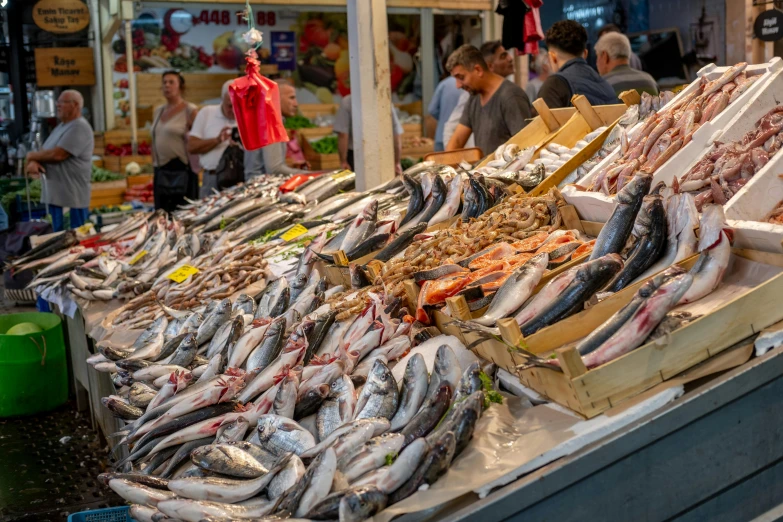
66 160
634 61
566 41
613 53
210 137
497 109
498 59
271 159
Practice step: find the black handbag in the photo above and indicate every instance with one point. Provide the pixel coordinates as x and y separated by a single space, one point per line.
231 167
173 182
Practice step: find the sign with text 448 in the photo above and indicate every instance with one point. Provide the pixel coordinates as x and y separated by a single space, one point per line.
61 66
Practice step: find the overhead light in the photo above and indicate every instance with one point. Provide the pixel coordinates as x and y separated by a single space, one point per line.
3 3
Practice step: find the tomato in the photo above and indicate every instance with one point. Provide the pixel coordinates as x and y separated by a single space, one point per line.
316 33
344 83
332 51
397 74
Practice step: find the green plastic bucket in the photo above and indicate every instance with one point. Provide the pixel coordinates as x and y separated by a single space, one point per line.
33 369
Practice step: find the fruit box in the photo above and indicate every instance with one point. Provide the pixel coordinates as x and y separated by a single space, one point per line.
745 303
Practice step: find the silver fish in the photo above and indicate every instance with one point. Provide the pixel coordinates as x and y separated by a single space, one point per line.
213 321
370 456
515 290
338 408
323 470
286 478
227 460
446 370
414 390
389 479
379 426
379 396
281 435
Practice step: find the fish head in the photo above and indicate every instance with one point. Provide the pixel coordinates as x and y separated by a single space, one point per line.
300 281
538 261
267 426
444 360
370 212
223 307
638 187
379 375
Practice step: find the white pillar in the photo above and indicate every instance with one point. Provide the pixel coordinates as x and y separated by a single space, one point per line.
428 79
368 45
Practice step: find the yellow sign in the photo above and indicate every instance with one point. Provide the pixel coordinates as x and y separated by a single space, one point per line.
137 257
342 175
62 66
84 229
182 273
126 207
61 16
293 233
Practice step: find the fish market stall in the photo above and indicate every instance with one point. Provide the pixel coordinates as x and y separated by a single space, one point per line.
477 324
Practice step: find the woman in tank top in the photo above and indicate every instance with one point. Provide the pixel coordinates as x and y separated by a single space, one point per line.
174 180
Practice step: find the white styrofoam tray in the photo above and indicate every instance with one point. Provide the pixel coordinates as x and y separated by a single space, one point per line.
594 206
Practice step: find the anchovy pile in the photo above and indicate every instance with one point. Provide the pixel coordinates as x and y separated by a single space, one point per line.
727 167
666 131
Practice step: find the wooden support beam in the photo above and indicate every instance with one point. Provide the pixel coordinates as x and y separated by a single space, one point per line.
630 97
586 110
458 307
340 259
571 218
571 362
412 294
509 331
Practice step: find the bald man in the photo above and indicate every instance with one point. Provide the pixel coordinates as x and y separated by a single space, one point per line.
271 159
66 159
210 137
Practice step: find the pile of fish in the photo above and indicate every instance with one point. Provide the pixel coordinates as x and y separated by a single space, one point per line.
274 407
666 131
516 218
648 315
495 276
727 167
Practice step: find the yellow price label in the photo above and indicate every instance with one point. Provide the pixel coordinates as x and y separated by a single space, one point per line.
137 257
182 273
126 207
293 233
84 229
341 175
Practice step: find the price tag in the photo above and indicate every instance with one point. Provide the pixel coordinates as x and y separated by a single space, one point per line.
126 207
341 175
84 229
293 233
183 273
137 257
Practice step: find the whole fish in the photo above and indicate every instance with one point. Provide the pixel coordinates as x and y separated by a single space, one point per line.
291 474
285 398
361 503
218 317
244 304
451 204
469 383
515 290
439 192
369 245
219 489
362 227
321 475
379 396
370 456
618 227
644 320
432 467
414 391
141 394
334 204
708 270
445 370
389 479
234 334
189 510
182 454
281 435
245 345
588 279
227 460
338 408
272 294
428 416
649 246
136 493
178 380
400 242
290 356
186 351
121 409
416 202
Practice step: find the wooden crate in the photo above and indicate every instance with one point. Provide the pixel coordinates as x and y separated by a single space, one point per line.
418 152
320 161
98 163
141 179
107 193
411 129
200 87
118 163
591 392
314 133
122 136
98 140
313 110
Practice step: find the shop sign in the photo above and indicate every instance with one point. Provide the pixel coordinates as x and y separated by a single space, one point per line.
284 50
769 26
61 16
62 66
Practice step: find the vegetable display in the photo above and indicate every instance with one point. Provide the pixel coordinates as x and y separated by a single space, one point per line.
326 145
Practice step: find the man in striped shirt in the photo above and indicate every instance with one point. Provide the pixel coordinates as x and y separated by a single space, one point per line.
613 52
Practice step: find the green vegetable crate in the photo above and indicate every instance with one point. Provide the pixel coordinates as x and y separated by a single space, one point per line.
320 161
33 368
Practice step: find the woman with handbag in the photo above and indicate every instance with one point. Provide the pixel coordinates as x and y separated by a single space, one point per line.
174 180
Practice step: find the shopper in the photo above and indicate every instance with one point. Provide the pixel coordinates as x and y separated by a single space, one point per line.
66 160
567 41
174 179
613 52
444 100
541 70
210 136
343 128
498 59
497 109
271 159
633 60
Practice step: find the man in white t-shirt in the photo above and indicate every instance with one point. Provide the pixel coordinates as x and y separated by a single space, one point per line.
210 136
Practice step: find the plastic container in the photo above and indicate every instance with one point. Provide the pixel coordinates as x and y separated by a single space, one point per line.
33 368
115 514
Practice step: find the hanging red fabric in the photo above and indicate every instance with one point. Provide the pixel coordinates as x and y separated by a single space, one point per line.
533 30
256 103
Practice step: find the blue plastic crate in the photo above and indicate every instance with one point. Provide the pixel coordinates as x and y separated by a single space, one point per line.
115 514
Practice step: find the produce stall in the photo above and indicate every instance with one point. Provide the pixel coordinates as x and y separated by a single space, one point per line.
337 350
